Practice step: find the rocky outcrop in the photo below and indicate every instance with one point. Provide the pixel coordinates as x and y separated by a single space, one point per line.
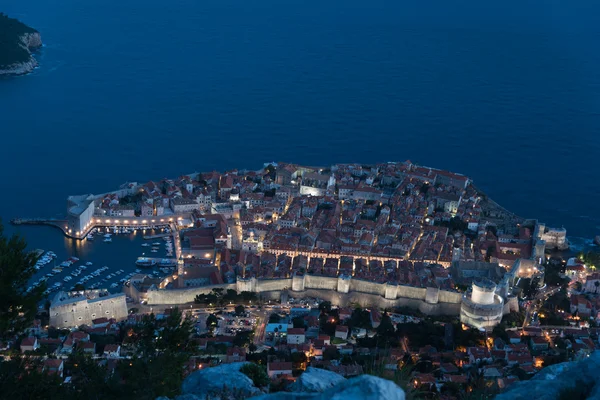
364 387
31 42
560 379
316 380
226 382
218 383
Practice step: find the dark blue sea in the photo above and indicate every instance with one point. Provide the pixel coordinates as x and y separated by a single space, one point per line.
505 92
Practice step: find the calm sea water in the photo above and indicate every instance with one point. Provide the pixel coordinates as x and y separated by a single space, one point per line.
507 93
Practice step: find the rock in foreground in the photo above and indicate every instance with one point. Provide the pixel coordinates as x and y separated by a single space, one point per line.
316 380
226 382
213 383
364 387
559 380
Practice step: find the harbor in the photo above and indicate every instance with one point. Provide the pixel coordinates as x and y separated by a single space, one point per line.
104 260
99 221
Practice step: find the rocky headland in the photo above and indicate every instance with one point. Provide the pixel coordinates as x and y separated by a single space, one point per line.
17 43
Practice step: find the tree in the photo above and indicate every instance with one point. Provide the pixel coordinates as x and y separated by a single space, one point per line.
243 338
79 287
240 309
499 331
212 321
360 318
331 353
386 327
252 347
298 322
325 307
18 306
257 373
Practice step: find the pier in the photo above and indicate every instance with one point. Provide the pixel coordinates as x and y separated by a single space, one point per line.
157 236
57 223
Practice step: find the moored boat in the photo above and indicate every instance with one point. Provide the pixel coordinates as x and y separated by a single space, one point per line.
145 262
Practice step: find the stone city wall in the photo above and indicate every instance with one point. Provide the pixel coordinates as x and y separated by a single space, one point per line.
182 296
320 282
358 285
431 301
266 285
372 300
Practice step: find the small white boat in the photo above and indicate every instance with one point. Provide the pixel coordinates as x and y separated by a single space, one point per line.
107 240
145 245
88 263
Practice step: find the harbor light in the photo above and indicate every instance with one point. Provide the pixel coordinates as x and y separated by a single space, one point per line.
162 220
108 221
126 221
144 221
135 222
116 221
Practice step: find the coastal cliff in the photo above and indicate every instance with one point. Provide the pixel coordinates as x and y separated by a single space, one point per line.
17 42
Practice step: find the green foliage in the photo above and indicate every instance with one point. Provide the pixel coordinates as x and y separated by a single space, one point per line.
274 318
386 332
514 319
17 266
331 353
360 318
243 338
499 331
212 321
33 385
325 307
298 322
455 224
257 373
217 297
591 258
11 50
240 309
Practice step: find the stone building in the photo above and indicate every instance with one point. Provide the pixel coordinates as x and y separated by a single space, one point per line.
71 309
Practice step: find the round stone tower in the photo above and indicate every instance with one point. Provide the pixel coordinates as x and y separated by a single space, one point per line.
483 291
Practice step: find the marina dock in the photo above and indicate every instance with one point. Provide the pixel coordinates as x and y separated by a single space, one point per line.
157 236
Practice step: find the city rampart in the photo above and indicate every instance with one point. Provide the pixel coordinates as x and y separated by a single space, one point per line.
182 296
358 285
372 300
320 282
